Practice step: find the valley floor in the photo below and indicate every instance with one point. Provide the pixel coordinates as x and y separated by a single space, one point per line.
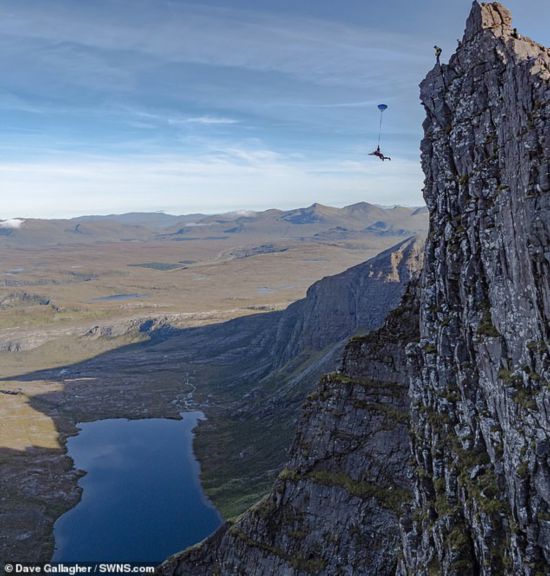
57 310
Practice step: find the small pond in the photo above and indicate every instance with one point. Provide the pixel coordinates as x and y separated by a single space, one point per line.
118 297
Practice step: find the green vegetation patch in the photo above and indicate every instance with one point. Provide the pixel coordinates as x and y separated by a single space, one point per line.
235 484
486 326
309 565
525 398
287 474
389 412
391 497
338 377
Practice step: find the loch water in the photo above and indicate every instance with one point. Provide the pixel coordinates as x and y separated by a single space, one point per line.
141 495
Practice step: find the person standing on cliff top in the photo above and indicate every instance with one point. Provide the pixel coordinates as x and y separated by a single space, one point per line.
437 53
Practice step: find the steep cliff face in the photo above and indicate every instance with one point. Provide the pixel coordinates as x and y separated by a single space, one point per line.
357 299
335 507
268 372
480 399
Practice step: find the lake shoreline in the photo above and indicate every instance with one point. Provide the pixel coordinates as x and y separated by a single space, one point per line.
126 454
54 489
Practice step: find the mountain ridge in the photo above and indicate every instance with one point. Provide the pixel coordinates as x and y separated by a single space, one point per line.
135 226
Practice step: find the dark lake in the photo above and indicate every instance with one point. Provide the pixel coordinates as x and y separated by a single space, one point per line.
117 297
142 499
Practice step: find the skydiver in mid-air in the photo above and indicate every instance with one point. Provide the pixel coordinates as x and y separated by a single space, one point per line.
379 153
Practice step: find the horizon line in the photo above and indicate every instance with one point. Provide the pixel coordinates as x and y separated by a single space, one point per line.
220 211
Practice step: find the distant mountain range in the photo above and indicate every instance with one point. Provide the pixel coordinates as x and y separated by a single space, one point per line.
318 222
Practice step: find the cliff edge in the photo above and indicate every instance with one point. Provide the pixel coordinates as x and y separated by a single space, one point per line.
336 505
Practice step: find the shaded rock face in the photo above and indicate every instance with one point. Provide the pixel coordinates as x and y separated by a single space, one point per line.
335 507
480 398
269 364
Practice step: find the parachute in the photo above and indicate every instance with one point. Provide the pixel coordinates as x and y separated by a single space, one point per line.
381 107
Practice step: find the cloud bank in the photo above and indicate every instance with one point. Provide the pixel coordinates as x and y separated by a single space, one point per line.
12 223
233 180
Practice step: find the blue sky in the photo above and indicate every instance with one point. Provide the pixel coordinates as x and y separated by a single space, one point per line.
121 105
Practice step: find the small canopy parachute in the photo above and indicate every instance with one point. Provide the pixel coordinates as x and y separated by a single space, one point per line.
381 107
377 152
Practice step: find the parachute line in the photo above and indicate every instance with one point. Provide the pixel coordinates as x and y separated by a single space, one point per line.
381 107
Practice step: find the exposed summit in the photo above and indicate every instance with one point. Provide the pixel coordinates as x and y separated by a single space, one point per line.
488 16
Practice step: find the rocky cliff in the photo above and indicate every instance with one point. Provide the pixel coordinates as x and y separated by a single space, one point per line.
480 398
334 508
358 299
429 452
269 364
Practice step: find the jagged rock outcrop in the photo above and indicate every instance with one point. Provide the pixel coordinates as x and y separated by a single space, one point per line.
335 507
480 399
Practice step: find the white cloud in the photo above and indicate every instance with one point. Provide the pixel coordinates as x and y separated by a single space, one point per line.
13 223
209 183
314 50
205 120
174 119
243 212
